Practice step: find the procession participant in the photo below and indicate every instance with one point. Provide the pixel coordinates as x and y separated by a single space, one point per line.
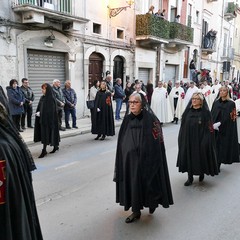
224 116
160 104
18 212
215 89
191 90
207 93
176 98
141 172
196 142
103 121
46 127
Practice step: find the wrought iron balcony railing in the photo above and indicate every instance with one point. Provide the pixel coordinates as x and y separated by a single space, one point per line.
63 6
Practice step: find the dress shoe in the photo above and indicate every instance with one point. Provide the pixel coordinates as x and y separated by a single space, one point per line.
23 128
54 149
43 154
133 217
152 210
20 130
75 127
188 182
103 137
68 127
62 128
201 177
31 127
98 136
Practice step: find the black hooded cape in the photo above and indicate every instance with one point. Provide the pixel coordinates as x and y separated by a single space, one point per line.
46 127
18 213
196 142
226 137
103 121
141 172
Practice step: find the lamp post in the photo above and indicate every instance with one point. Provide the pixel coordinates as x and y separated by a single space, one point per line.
113 12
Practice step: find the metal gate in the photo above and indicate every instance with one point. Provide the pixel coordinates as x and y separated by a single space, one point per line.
143 74
44 67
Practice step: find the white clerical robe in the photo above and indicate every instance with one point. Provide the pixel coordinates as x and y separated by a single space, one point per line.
207 92
159 105
177 92
215 91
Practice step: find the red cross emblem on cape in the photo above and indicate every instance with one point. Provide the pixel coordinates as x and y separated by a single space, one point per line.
157 131
2 180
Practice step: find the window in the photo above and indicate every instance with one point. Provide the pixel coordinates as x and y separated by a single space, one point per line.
120 34
197 16
96 28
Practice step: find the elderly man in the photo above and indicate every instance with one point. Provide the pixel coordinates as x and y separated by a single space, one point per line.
29 98
70 106
60 101
110 84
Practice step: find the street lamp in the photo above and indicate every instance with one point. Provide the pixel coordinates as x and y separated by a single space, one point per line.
113 12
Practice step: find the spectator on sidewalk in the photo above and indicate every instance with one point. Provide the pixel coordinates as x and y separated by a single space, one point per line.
70 104
110 84
60 101
46 122
16 101
119 96
29 98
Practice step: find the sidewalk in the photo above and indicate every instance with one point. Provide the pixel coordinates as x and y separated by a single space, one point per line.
84 126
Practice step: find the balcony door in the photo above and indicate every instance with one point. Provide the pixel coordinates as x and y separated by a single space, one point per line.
118 68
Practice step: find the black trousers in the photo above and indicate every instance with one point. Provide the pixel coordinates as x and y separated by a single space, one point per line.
28 113
16 120
60 114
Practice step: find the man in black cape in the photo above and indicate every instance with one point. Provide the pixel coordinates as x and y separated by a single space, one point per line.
141 172
18 213
224 111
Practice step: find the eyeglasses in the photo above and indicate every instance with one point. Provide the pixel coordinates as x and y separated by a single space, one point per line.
133 102
196 98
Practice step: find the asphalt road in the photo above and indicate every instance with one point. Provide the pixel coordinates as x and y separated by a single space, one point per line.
75 197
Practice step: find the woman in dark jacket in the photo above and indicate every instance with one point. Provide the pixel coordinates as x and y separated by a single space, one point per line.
224 115
46 127
103 121
16 101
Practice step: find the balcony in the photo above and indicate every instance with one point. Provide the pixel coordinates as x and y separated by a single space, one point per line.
209 42
230 11
57 11
151 31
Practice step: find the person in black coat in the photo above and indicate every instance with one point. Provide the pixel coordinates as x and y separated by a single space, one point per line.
103 121
224 116
46 127
3 99
16 101
141 172
196 142
18 212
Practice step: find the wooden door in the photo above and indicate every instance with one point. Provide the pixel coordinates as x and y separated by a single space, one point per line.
95 68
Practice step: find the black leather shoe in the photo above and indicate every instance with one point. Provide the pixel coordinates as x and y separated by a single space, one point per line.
75 127
201 177
23 128
98 136
152 210
62 128
30 127
103 137
68 127
20 130
54 149
133 217
188 182
43 154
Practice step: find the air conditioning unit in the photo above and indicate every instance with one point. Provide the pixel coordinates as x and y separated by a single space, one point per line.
48 5
32 17
72 26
